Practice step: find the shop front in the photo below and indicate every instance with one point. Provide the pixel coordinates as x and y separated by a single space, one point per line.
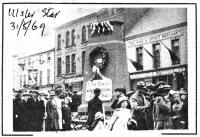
175 76
74 83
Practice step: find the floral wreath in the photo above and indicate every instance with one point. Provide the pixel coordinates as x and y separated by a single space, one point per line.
104 55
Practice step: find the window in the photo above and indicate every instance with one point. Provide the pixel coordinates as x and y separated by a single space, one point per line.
20 77
139 55
59 42
48 76
24 79
40 77
29 61
83 60
67 39
175 50
89 31
59 67
41 59
83 34
73 63
48 57
67 64
156 53
73 37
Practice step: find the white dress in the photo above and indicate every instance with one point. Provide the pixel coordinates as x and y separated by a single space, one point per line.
59 109
120 119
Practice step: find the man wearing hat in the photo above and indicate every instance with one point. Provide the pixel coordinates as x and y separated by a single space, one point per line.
162 109
17 105
26 113
139 104
120 92
32 103
41 111
76 101
94 106
52 113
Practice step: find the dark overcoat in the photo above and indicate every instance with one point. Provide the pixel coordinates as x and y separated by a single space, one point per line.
94 106
52 117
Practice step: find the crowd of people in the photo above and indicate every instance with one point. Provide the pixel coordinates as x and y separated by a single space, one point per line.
34 111
151 107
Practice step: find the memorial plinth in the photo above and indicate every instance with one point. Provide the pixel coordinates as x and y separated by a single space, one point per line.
110 56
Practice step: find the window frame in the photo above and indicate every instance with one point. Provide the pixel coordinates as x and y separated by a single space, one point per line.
59 66
69 63
73 37
139 55
59 40
156 60
67 40
173 50
73 63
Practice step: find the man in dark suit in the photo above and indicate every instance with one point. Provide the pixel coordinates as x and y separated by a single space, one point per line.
33 109
17 107
25 113
41 111
76 101
94 106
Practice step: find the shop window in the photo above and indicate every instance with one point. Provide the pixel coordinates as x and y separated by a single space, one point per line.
59 42
73 63
156 53
48 76
83 60
40 77
175 50
67 64
83 34
73 37
181 82
67 39
59 67
139 54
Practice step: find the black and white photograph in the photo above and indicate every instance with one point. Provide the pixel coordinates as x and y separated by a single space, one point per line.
99 67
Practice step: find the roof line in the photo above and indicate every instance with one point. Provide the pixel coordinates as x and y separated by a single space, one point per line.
37 53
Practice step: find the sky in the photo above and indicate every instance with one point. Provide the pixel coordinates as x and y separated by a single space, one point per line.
33 42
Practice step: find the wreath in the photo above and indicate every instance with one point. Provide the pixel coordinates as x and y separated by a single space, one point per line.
98 52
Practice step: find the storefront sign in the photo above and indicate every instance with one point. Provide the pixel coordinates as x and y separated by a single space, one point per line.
157 73
157 37
106 89
72 80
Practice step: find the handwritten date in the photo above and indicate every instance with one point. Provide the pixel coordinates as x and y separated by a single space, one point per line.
27 25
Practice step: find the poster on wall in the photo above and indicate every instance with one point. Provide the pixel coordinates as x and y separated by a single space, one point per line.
32 77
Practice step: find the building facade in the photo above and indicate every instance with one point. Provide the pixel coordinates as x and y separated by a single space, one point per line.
71 40
36 70
157 48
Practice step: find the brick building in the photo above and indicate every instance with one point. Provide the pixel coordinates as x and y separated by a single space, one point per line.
71 40
158 44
